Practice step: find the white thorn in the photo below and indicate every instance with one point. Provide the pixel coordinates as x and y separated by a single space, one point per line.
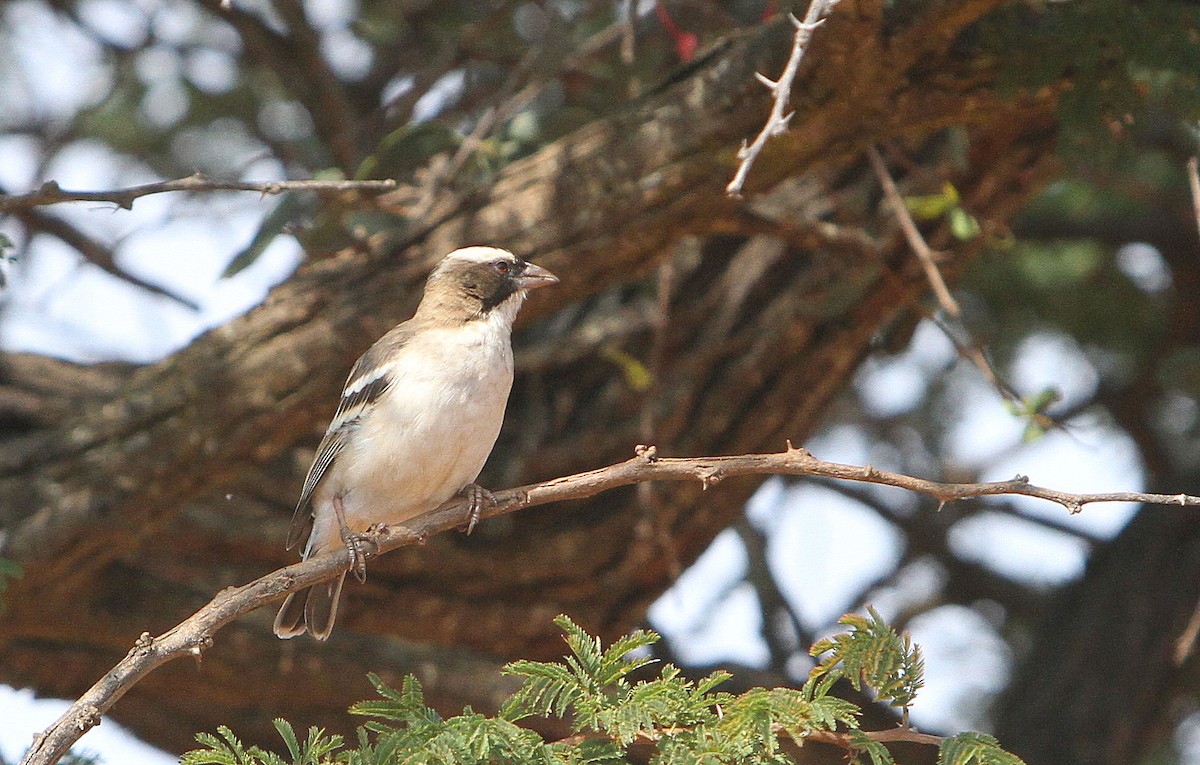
798 24
765 80
780 127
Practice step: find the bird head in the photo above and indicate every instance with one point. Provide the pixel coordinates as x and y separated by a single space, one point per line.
473 282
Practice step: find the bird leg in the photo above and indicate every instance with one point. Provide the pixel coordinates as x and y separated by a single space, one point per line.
478 499
358 558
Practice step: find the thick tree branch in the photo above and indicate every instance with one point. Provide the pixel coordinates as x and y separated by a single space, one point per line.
50 193
194 635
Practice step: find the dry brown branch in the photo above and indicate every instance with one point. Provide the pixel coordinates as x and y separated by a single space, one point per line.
781 89
915 240
193 636
50 192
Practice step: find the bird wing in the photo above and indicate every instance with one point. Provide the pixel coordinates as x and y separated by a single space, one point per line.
370 377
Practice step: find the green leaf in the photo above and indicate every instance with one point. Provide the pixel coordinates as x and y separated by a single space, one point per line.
975 749
872 654
406 705
963 225
1042 400
227 749
933 206
289 737
272 226
875 750
1032 410
549 689
637 375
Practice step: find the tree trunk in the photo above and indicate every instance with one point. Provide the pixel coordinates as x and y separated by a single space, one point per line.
132 498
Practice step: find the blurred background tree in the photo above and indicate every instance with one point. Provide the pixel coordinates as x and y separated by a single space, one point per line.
147 462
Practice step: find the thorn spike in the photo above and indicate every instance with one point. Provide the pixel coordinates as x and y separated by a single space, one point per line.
767 81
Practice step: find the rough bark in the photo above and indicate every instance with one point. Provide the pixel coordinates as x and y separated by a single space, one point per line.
134 497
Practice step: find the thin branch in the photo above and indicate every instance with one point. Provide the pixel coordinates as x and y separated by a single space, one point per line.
1193 169
915 240
969 350
93 251
892 735
50 192
1186 643
771 601
194 635
899 734
781 89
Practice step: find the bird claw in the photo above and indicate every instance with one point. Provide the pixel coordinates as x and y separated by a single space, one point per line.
355 543
478 499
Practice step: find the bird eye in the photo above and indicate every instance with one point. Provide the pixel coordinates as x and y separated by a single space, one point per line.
502 266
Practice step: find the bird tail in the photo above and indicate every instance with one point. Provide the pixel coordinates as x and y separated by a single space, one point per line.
313 610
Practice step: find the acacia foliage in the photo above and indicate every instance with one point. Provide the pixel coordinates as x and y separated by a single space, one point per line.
680 720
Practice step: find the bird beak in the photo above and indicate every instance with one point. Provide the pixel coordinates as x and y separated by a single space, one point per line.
534 276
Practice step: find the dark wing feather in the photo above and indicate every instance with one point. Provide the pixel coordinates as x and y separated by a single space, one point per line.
302 520
369 379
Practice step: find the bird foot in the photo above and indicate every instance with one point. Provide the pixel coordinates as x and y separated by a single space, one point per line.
478 500
359 546
356 544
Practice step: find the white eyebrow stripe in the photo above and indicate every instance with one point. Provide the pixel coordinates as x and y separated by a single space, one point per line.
481 254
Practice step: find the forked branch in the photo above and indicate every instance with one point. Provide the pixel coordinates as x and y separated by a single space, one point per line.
194 635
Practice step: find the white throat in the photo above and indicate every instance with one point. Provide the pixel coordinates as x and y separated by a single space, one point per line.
505 313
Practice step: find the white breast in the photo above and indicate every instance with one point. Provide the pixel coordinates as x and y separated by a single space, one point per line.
429 435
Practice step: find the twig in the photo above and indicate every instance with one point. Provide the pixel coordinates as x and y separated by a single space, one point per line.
92 251
781 89
843 740
50 192
194 635
1194 183
971 351
1186 642
902 733
915 240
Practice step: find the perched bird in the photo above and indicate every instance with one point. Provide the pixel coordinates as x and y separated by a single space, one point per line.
418 417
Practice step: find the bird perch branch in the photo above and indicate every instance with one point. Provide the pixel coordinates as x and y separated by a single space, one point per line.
781 89
195 634
50 192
